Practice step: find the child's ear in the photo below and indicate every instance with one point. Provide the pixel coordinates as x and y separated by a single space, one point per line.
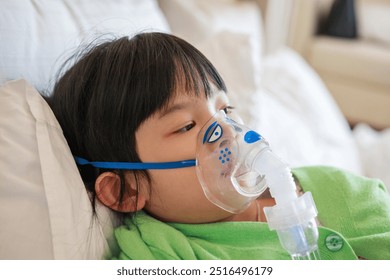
108 188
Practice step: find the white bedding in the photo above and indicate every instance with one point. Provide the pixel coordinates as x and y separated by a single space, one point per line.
374 150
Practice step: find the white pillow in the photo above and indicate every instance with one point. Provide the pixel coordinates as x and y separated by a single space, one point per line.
45 212
37 36
296 113
374 147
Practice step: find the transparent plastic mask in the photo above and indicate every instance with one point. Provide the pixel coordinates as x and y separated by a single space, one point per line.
226 176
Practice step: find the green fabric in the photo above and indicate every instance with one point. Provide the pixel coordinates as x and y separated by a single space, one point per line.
356 206
361 225
145 238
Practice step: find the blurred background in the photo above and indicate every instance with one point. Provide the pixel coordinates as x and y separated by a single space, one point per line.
347 42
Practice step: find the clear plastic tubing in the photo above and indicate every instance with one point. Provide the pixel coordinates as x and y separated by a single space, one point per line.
292 217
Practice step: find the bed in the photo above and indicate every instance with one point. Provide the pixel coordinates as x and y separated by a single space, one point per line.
45 212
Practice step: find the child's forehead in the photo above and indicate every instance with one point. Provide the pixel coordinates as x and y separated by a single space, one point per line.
183 99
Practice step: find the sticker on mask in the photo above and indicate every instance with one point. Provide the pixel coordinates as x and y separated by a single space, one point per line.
213 133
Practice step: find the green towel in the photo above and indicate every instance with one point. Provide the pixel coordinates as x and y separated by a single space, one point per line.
144 237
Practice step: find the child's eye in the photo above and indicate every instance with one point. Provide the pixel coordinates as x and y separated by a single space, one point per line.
228 110
186 128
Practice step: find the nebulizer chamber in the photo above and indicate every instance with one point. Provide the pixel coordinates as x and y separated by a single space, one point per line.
235 165
292 217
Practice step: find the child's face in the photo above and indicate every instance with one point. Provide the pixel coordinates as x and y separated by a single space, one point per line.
171 135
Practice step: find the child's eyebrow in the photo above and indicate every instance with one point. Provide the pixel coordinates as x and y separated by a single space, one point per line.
174 107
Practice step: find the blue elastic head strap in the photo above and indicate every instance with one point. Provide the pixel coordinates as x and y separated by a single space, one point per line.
136 165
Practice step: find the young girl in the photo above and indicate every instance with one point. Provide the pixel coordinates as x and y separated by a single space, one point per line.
144 100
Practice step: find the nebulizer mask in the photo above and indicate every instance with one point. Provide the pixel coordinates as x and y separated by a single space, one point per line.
235 165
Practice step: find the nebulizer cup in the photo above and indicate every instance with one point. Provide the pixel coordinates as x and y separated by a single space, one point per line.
235 165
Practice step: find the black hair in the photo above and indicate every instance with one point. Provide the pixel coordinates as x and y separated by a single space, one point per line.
112 87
